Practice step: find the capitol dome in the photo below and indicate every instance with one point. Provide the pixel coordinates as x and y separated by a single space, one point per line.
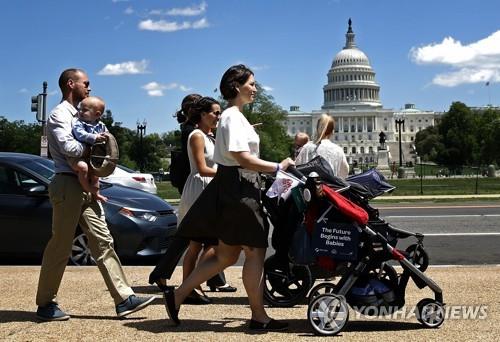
351 79
350 56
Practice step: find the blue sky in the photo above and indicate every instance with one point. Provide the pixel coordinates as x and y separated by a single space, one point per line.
144 56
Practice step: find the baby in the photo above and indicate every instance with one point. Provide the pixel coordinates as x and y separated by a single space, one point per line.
88 129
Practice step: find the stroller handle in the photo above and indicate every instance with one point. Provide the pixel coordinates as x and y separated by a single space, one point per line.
293 171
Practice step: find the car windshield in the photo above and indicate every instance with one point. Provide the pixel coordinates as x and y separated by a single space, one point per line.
126 169
43 167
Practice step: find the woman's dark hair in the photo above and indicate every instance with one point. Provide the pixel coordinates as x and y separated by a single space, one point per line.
203 105
184 113
233 77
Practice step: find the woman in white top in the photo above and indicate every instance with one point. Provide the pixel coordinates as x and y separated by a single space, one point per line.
200 150
323 146
233 199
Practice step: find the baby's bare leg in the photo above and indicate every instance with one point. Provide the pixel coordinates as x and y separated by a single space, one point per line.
83 175
94 184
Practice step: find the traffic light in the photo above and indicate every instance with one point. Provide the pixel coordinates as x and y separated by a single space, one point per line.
37 106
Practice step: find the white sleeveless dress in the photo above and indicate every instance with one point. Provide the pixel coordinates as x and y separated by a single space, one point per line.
195 183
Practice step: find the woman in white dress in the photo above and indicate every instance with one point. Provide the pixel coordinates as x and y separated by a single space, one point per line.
200 150
324 147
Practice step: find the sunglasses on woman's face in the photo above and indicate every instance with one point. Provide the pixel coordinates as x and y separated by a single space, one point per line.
217 113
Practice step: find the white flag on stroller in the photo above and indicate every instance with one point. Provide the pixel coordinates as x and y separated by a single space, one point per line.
282 186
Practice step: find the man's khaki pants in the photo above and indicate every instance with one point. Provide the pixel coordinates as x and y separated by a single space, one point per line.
72 207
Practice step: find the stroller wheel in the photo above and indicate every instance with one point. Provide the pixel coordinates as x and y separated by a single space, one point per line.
285 285
328 314
418 257
323 288
430 313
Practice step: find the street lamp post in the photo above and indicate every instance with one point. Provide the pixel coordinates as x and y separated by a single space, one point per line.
141 130
400 120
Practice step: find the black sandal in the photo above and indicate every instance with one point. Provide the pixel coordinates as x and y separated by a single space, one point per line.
272 325
173 313
223 288
162 287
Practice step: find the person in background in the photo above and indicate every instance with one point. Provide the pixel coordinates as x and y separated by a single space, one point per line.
229 208
187 126
189 117
72 207
204 114
301 138
324 147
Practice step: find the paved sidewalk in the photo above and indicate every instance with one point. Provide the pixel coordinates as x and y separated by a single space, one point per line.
84 296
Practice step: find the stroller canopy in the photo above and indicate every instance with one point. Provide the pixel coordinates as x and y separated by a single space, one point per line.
373 181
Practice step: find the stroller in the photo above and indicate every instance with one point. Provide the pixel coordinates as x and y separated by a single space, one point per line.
350 242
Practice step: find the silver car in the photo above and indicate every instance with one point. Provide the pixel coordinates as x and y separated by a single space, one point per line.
128 177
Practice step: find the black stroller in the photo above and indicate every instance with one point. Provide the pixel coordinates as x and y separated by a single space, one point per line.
345 230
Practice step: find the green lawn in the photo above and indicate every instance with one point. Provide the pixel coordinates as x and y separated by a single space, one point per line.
405 187
446 186
166 190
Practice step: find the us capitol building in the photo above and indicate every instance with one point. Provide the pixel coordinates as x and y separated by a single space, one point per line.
352 97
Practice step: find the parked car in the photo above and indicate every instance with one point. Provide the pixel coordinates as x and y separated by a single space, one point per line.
140 223
128 177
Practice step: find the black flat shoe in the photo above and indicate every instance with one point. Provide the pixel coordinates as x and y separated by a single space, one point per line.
223 288
173 313
272 325
162 287
197 299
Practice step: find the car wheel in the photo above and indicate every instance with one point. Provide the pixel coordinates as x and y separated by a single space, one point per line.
80 251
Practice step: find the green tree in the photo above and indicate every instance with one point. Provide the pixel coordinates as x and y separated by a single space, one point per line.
488 136
275 143
172 139
18 136
457 128
428 143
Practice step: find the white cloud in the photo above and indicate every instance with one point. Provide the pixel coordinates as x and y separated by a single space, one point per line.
125 68
185 11
156 89
115 1
189 11
23 90
202 23
53 92
473 63
259 67
253 67
129 10
172 26
267 88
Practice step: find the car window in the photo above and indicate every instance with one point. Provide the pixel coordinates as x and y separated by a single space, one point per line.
41 166
13 182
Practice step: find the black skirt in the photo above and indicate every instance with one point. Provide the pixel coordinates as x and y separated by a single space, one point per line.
228 209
